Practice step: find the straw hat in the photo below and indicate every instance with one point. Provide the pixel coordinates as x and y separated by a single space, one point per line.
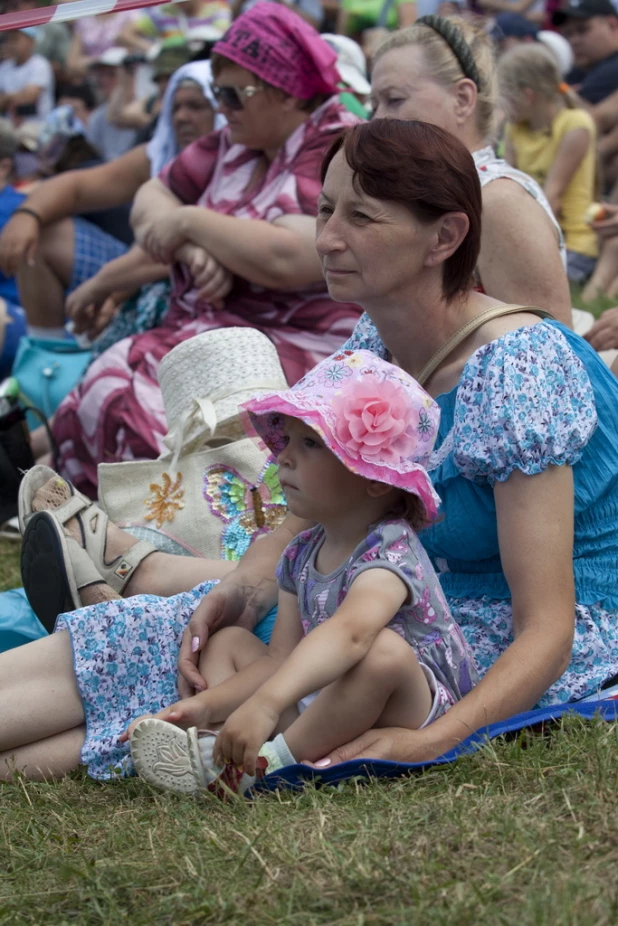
204 379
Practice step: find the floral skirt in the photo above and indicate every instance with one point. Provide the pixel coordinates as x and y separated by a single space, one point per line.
487 625
124 656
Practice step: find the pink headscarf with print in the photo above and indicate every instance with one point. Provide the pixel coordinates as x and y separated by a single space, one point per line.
282 49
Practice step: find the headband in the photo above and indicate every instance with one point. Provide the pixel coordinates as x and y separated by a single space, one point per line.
456 42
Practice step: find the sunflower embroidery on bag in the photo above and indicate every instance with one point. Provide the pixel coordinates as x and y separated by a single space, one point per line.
166 499
247 510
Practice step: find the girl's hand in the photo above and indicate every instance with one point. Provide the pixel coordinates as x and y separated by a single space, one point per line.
608 226
244 733
394 744
193 712
229 603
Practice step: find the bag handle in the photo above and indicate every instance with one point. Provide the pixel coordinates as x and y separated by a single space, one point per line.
204 412
469 328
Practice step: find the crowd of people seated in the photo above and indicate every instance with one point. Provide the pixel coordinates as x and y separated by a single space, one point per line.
347 178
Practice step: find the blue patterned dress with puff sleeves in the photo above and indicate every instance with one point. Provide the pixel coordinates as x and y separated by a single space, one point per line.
534 397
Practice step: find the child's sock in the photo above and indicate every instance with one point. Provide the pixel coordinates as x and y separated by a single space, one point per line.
276 753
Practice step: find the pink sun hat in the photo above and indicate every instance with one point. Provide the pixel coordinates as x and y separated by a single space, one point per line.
375 418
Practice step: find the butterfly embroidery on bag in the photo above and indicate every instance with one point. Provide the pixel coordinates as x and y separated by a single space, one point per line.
246 510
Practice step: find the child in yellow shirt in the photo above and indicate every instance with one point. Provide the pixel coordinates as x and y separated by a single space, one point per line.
551 138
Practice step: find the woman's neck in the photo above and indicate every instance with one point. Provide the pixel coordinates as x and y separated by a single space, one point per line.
405 328
294 120
470 136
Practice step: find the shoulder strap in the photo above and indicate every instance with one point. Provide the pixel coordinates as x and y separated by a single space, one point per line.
471 326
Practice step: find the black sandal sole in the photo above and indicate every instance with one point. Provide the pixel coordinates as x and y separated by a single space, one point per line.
43 571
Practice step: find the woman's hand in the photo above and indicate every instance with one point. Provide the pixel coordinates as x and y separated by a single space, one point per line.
604 333
191 712
91 307
84 302
394 744
210 278
163 235
19 241
244 733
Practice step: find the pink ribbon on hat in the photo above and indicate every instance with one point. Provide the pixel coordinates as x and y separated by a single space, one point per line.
282 49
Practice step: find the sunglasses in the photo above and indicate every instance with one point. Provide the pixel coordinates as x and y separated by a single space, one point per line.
233 97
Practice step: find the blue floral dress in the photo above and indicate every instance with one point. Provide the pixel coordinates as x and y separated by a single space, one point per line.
537 396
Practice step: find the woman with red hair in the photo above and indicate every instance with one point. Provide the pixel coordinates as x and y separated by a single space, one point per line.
526 465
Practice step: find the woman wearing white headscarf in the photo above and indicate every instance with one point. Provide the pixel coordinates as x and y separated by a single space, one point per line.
133 290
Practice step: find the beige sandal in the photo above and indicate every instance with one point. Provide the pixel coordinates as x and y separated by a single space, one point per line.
54 569
92 521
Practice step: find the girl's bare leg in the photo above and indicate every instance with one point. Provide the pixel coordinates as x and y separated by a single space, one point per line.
38 692
227 652
49 758
387 688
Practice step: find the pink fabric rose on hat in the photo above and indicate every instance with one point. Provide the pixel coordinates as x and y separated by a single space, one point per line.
374 420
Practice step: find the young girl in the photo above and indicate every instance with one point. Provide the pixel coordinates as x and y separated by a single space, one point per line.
363 635
551 138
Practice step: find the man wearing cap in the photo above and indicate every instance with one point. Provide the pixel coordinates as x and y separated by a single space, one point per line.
26 79
591 27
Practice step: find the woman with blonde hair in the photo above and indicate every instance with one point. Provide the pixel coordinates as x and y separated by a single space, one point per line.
550 136
443 71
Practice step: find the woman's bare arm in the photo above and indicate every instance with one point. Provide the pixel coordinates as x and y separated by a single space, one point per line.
277 255
535 532
572 150
519 261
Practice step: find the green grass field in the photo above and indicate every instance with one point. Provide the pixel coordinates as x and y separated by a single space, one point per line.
523 832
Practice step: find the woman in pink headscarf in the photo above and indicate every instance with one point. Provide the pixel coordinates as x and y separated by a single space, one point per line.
235 216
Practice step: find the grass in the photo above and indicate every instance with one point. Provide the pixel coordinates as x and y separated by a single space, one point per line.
597 305
522 832
9 565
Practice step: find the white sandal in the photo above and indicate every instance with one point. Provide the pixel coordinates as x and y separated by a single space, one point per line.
54 569
171 759
93 525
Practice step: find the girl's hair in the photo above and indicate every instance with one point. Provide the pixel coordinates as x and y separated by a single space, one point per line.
443 59
411 509
534 67
426 169
218 62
